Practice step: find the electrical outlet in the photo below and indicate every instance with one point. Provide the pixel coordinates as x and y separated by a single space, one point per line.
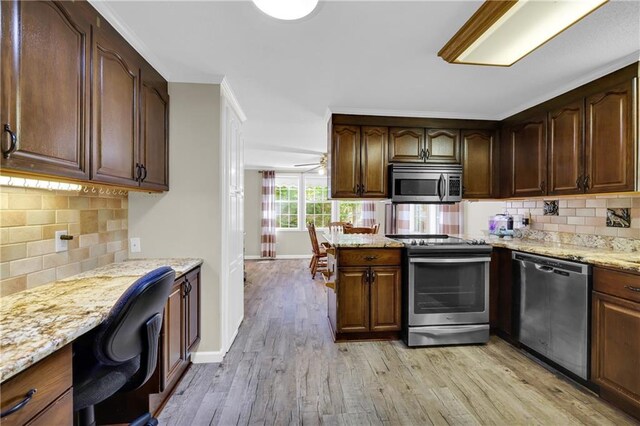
61 245
135 246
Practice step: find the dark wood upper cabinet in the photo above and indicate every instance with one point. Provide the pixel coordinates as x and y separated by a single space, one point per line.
527 167
345 162
442 146
45 88
154 130
373 162
406 145
116 85
610 141
478 151
566 149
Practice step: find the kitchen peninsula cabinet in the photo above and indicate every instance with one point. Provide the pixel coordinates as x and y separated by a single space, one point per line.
78 101
359 162
364 291
615 345
479 174
45 88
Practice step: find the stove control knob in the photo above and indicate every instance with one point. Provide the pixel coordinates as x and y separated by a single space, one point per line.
413 242
422 243
482 242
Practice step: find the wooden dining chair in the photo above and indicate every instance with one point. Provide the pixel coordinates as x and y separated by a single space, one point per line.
337 226
360 230
319 253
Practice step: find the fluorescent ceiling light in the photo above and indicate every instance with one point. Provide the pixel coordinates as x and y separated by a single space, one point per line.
502 32
287 10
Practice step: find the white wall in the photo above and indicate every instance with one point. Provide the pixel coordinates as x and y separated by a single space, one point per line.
185 222
476 215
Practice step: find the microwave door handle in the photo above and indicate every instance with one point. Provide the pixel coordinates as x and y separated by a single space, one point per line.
441 188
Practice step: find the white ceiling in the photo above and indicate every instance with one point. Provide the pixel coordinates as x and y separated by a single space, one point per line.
359 57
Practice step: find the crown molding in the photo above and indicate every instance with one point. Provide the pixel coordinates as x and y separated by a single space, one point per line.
227 92
407 113
130 36
584 79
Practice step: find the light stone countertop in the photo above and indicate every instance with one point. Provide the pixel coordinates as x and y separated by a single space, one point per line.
606 257
361 241
37 322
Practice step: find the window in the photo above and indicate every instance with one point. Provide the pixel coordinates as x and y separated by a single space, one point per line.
317 207
349 211
287 200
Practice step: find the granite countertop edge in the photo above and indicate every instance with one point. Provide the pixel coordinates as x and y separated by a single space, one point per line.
37 322
608 258
361 241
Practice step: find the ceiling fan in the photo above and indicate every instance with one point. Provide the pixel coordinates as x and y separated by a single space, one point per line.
321 165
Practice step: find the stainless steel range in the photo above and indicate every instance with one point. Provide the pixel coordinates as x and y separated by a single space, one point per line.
445 290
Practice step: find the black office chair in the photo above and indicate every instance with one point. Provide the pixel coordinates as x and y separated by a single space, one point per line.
122 352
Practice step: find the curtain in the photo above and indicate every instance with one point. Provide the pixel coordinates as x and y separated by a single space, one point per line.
368 213
403 218
450 219
268 239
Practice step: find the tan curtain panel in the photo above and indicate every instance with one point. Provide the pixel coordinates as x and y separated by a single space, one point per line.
268 239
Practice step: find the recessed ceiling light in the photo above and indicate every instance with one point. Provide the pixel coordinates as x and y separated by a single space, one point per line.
501 32
287 10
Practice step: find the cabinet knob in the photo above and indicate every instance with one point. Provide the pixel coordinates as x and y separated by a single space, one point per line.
14 142
585 184
144 170
370 258
543 185
579 183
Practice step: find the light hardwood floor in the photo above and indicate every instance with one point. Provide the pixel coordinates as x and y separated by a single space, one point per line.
285 369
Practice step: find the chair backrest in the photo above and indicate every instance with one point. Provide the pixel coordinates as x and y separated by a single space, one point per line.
338 226
376 228
314 238
360 230
123 334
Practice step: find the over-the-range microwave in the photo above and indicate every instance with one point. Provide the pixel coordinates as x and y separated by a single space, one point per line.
426 183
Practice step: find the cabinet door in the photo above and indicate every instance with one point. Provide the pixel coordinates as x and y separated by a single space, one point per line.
443 146
173 329
154 130
374 161
616 350
193 310
345 162
505 290
566 150
45 88
477 161
528 146
406 145
610 158
385 298
353 300
116 82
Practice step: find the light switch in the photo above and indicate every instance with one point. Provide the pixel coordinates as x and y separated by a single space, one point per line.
135 246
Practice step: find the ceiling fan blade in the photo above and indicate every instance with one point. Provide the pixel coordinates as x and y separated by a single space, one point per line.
312 169
306 164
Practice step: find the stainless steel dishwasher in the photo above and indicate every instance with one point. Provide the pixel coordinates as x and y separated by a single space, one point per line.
554 309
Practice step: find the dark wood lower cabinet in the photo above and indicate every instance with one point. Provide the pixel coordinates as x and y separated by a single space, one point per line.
364 301
615 344
180 333
501 293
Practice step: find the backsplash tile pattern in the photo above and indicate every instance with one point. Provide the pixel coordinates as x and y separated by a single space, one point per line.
29 219
581 215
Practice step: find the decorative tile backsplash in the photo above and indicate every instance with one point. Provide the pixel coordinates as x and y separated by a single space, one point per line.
550 208
29 219
619 218
584 215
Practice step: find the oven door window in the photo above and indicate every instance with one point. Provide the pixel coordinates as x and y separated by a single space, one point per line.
447 286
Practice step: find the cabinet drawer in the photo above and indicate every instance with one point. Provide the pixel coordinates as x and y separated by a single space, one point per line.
366 257
617 283
51 377
59 413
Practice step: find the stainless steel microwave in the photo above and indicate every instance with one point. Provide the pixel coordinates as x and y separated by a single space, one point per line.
426 184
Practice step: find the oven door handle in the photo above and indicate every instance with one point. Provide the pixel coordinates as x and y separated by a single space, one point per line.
449 260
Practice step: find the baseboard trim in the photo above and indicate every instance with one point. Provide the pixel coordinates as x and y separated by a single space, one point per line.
282 256
213 357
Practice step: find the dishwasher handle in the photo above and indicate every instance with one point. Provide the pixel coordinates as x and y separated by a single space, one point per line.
543 268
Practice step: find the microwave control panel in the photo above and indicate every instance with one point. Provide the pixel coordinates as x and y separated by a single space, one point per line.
454 186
